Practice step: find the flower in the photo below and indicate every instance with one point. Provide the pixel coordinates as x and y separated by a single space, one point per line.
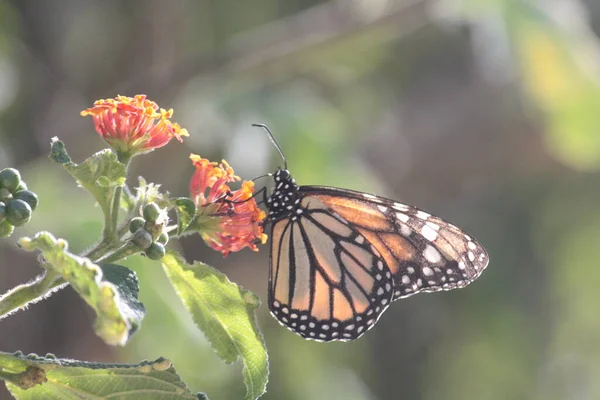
227 220
133 125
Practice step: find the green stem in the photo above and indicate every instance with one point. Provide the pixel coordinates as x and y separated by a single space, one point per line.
114 212
125 251
22 295
113 218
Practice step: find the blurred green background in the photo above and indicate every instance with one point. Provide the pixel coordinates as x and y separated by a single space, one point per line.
484 112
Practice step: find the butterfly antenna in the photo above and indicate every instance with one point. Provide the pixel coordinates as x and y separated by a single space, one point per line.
272 138
262 176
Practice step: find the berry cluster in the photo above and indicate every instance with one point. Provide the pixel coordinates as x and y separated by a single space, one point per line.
16 202
148 232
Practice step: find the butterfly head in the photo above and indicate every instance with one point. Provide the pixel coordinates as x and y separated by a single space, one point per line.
284 201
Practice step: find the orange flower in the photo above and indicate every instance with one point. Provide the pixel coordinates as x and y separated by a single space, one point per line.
228 221
133 125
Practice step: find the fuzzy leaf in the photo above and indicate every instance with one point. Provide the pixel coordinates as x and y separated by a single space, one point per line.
226 314
99 174
70 379
111 290
186 210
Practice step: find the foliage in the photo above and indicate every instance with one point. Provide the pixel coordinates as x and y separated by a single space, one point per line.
222 310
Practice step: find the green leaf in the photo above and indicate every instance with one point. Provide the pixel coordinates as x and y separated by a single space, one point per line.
186 210
128 200
226 314
99 174
112 291
70 379
58 151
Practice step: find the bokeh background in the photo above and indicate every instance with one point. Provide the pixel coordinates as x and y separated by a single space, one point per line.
484 112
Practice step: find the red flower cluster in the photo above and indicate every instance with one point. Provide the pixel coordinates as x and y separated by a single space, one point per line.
230 220
133 125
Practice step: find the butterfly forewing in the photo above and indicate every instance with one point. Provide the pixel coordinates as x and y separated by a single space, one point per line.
326 281
423 252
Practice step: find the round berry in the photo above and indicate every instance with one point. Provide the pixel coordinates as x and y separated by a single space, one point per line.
22 186
5 195
28 197
10 179
142 238
135 224
151 212
6 229
156 251
18 212
163 238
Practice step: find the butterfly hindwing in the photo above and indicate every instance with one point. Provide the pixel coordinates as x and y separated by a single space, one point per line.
326 280
423 252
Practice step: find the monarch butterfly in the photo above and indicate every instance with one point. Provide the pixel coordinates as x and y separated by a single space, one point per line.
340 257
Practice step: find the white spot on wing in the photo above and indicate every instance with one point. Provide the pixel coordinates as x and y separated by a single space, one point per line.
405 230
402 217
427 271
433 225
423 214
432 255
400 207
428 233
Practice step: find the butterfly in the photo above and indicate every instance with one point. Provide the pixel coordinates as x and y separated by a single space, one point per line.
340 257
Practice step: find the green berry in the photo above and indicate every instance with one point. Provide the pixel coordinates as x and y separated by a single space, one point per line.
142 238
22 186
156 251
2 211
151 212
18 212
6 229
10 179
5 195
163 238
28 197
135 224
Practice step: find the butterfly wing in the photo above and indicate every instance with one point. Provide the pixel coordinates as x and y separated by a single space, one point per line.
423 252
326 281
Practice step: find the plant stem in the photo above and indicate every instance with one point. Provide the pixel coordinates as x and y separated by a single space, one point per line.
114 211
125 251
32 292
109 233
